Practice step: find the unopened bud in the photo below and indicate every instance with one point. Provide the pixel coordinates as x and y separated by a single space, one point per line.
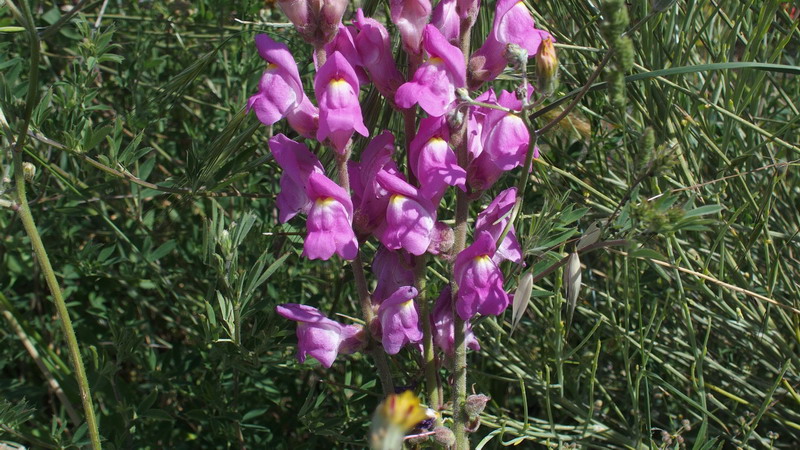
28 171
463 94
516 55
547 67
444 436
225 242
475 405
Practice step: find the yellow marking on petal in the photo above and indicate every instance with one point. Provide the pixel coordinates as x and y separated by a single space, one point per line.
325 201
482 259
402 410
436 140
397 198
435 60
407 304
272 66
336 82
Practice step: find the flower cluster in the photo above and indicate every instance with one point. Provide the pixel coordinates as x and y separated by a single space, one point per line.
376 197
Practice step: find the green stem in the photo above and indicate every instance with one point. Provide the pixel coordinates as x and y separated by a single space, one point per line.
460 240
28 223
360 279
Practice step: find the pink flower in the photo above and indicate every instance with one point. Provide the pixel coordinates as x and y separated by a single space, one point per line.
280 89
503 143
410 16
298 163
436 80
480 281
446 19
392 270
513 24
399 320
317 21
304 119
336 87
368 195
344 43
410 217
375 49
330 220
432 160
443 328
494 220
319 336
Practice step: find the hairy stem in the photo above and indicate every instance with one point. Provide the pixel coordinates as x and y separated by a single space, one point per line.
460 240
24 212
364 299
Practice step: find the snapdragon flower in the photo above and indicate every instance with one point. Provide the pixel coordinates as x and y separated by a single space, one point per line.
435 81
319 336
446 19
442 325
330 220
279 90
298 163
432 160
368 195
480 281
392 270
410 16
399 320
336 88
409 219
513 24
375 50
494 220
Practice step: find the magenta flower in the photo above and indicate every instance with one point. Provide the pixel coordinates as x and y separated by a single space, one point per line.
503 143
392 270
304 118
344 43
513 24
298 163
399 320
443 328
410 16
330 220
436 80
319 336
371 199
375 49
433 161
410 217
280 89
336 87
317 21
446 19
480 281
494 220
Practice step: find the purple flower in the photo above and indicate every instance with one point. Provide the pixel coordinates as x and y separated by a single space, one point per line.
410 217
330 220
443 328
399 320
446 19
336 87
433 161
375 49
480 281
319 336
371 199
410 16
436 80
392 270
494 220
298 163
344 43
317 21
513 24
304 119
280 89
503 143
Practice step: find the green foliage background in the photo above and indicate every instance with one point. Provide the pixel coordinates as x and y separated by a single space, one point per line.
154 195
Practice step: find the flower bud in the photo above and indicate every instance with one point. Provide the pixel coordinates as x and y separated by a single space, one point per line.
225 242
475 405
28 171
317 21
547 67
444 436
516 55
